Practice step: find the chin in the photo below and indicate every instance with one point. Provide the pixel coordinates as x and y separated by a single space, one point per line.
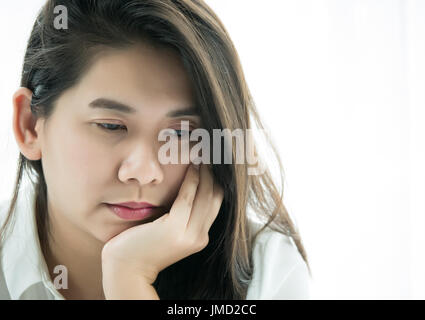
106 234
105 237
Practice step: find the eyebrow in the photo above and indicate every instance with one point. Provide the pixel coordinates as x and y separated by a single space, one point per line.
103 103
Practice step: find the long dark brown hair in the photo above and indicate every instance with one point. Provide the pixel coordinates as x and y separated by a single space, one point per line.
56 59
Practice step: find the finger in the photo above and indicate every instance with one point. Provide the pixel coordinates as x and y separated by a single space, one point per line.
202 201
182 206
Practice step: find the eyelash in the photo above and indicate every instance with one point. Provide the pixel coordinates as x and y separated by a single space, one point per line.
101 125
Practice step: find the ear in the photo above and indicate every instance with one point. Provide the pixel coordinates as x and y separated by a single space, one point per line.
25 125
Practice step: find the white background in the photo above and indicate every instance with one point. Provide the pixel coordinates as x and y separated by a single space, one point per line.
341 86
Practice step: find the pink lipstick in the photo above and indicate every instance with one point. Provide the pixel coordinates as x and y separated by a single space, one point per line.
133 210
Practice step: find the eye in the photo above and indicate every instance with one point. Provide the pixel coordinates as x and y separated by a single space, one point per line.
111 126
180 132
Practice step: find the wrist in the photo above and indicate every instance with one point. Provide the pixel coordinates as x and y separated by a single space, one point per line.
116 268
125 283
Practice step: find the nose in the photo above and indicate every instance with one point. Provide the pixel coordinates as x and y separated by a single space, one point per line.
142 165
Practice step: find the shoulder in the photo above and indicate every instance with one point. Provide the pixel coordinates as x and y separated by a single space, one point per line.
280 271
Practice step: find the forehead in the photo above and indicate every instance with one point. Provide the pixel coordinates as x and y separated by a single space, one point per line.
139 75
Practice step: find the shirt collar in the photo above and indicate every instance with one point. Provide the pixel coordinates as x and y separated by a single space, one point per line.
22 259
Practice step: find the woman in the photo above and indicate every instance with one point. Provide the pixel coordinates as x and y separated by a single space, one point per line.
94 96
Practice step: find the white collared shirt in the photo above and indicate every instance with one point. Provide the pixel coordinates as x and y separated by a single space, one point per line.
279 270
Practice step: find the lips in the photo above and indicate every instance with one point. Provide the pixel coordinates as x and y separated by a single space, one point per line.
133 214
134 205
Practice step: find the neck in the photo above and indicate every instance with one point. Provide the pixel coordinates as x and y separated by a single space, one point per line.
80 254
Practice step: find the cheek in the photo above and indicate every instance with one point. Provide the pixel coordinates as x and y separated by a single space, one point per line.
72 170
83 159
175 175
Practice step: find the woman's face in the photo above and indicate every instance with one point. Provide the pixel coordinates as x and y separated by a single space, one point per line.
86 166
